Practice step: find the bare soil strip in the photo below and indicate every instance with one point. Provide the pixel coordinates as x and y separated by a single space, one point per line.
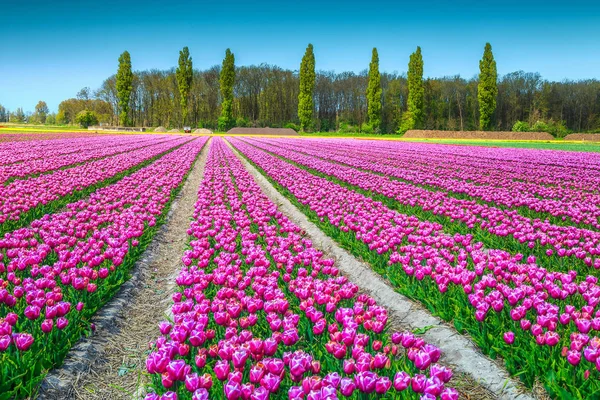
483 377
111 363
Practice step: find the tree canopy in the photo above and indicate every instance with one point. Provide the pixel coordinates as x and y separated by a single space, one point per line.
226 82
487 90
124 85
374 92
307 87
185 76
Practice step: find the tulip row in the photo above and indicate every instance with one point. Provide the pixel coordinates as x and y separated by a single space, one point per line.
56 273
260 313
21 148
560 192
543 323
22 201
494 227
93 148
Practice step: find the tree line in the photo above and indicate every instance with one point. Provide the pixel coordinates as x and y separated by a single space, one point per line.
312 100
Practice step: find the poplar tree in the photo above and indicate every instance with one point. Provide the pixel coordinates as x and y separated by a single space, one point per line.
124 87
226 80
307 87
413 117
185 76
487 90
374 93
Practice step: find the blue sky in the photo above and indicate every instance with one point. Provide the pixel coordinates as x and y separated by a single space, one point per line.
50 50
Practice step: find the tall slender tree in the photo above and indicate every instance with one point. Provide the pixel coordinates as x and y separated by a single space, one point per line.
487 90
374 93
41 111
185 77
307 87
413 117
226 81
124 87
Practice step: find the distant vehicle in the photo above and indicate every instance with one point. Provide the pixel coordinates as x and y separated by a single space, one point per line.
187 129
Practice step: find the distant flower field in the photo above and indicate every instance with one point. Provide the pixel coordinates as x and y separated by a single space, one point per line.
504 244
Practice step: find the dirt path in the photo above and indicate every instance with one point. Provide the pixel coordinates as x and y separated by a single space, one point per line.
478 376
121 348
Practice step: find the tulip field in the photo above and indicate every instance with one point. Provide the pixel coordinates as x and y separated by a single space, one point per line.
501 243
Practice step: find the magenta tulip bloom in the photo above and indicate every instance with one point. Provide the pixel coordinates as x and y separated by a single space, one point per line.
347 386
192 382
5 341
401 381
222 370
270 382
382 385
23 341
418 383
449 394
200 394
509 337
573 357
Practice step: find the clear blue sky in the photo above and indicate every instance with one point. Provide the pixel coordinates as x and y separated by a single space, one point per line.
50 50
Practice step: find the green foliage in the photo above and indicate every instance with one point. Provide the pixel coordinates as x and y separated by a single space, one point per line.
51 119
242 122
291 125
346 127
307 87
487 90
520 126
555 128
185 77
124 86
61 118
374 93
86 118
226 81
41 111
17 116
413 117
3 114
367 128
406 122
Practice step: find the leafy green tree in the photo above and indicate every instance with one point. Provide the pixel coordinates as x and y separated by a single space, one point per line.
86 118
41 111
18 115
226 81
413 117
487 90
185 77
307 87
3 114
374 93
51 119
124 87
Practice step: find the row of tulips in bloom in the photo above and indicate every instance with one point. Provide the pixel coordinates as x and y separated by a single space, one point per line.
94 148
261 314
495 227
23 147
560 192
34 197
509 305
57 272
